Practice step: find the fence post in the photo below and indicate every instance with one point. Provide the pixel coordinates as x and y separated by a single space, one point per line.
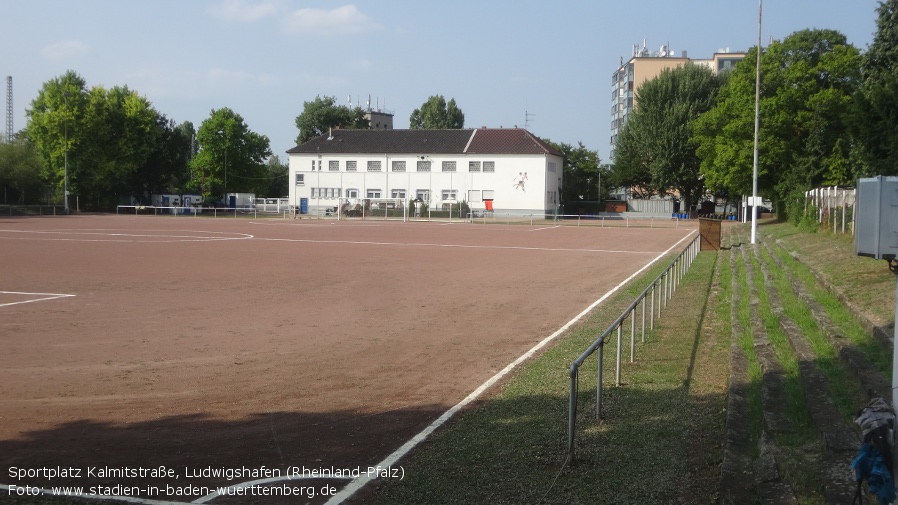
666 279
617 372
572 414
599 381
652 319
633 335
643 319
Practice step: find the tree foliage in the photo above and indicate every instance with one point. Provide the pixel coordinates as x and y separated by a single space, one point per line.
278 184
322 113
580 174
53 121
20 168
437 114
807 81
874 121
654 153
101 138
231 157
167 170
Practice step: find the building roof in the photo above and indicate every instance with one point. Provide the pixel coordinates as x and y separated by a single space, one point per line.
417 142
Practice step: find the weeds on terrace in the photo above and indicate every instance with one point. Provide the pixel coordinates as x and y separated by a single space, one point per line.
863 280
745 340
846 323
846 393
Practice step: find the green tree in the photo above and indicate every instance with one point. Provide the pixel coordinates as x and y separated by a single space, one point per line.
874 121
322 113
100 138
580 175
125 131
167 170
654 151
231 157
278 184
436 114
53 121
807 81
20 172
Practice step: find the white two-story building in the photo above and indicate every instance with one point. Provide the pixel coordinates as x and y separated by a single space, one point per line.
506 170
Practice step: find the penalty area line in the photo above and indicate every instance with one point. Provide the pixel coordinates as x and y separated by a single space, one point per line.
359 482
44 297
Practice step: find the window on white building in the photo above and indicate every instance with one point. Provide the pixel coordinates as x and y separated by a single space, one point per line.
399 165
489 194
300 179
422 194
473 166
398 193
325 193
333 165
474 195
373 193
448 166
489 166
352 193
423 166
374 165
449 194
351 166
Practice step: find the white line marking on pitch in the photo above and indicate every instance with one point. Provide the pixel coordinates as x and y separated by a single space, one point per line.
118 237
44 297
461 246
391 460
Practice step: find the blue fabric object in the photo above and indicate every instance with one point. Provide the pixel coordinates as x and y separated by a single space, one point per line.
870 465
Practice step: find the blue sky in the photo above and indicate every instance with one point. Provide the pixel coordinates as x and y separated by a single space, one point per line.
500 60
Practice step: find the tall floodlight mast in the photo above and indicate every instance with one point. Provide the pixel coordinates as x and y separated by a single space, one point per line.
754 179
9 130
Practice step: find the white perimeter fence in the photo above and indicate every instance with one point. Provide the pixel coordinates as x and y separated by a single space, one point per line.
399 210
834 207
662 288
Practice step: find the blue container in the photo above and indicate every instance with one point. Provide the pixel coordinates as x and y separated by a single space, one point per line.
303 205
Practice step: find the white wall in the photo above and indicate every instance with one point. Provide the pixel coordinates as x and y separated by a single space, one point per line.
534 195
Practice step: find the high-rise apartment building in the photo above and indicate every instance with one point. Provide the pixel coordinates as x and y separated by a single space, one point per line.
645 65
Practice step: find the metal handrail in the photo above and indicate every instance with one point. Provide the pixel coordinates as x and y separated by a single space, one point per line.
665 284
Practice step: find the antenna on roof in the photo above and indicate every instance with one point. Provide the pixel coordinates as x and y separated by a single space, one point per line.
527 116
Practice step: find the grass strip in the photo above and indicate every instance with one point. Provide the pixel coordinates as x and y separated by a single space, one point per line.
512 448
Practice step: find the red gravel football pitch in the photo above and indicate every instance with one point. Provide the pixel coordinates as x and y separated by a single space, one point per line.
211 346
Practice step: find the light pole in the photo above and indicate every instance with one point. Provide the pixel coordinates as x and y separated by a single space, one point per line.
754 183
318 191
65 183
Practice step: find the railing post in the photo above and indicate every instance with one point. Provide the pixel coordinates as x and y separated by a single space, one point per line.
643 319
652 319
572 414
599 381
633 335
617 372
665 281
